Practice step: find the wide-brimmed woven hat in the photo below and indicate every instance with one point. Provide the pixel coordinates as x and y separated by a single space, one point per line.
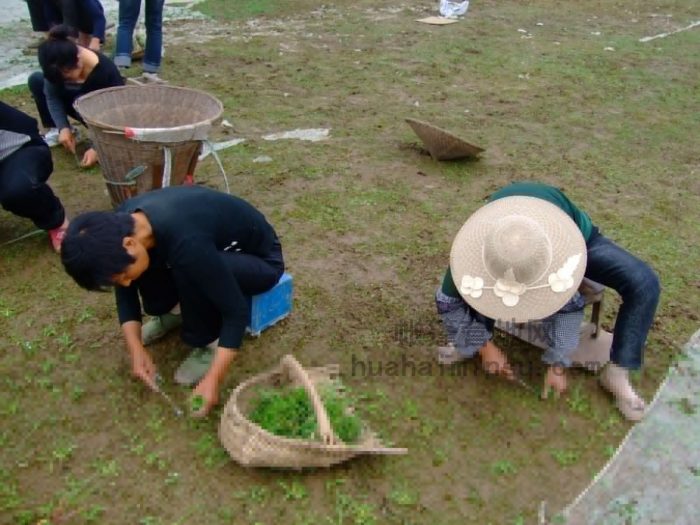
442 144
518 259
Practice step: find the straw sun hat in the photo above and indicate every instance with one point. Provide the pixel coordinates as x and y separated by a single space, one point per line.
518 259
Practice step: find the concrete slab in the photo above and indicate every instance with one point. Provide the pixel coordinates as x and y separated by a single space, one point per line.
654 478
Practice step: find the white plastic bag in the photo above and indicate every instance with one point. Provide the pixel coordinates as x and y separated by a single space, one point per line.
450 9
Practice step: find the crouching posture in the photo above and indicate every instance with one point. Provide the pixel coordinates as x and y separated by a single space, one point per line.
25 166
521 258
192 256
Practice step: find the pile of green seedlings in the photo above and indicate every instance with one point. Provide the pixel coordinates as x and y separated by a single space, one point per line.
289 413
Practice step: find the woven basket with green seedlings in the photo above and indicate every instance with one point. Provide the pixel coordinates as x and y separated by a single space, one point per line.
292 417
289 413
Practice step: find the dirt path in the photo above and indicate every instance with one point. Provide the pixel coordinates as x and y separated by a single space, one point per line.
17 61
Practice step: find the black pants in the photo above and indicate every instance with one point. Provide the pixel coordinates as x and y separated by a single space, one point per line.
23 188
201 320
36 86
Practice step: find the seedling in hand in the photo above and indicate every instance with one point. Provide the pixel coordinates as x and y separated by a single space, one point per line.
196 405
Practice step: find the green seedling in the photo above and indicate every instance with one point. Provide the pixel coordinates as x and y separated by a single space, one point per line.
196 403
289 413
403 497
565 457
293 491
503 467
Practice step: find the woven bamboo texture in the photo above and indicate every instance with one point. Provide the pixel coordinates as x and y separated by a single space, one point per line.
109 112
252 446
442 144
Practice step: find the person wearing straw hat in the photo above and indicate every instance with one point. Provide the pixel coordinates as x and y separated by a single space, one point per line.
25 166
521 258
192 256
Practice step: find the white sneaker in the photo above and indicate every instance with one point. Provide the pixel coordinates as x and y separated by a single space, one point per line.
51 137
449 355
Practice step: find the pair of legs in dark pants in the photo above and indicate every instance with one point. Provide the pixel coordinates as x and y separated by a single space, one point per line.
201 320
639 289
36 86
23 188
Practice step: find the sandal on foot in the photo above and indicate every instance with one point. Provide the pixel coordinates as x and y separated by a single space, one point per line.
192 369
629 403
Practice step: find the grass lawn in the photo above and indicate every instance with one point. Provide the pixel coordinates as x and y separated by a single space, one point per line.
560 92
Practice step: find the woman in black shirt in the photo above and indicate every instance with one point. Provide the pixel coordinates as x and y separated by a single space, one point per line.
68 71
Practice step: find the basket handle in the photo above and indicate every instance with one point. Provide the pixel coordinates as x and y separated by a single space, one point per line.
296 371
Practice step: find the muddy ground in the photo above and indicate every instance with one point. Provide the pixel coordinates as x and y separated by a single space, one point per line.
563 93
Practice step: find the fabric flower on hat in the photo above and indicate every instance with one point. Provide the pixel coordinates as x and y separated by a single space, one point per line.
472 286
563 279
508 289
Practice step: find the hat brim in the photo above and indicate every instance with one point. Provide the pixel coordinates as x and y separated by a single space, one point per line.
442 144
539 300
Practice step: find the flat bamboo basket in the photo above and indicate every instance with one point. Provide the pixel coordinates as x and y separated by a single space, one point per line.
252 446
442 144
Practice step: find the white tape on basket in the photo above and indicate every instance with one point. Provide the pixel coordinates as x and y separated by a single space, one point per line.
174 134
167 166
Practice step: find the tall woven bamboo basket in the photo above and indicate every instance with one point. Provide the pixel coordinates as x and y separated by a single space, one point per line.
442 144
149 136
251 446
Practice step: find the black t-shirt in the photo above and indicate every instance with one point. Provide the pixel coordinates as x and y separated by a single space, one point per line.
191 226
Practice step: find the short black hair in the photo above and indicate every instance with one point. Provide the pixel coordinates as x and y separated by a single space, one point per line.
58 52
93 252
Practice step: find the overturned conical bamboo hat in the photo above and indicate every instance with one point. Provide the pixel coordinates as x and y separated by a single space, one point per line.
442 144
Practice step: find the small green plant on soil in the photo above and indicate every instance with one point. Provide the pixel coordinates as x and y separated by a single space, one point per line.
289 413
293 491
196 403
503 467
565 457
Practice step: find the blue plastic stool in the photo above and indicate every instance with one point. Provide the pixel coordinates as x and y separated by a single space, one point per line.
270 307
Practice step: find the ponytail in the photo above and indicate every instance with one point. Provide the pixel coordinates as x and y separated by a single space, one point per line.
58 52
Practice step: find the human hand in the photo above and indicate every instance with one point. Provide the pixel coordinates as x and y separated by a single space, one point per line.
554 380
67 139
142 367
94 44
494 361
208 391
89 158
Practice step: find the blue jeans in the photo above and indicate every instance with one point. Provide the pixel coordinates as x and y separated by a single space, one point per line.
639 288
128 16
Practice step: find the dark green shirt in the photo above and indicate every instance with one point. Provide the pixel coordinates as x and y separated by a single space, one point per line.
540 191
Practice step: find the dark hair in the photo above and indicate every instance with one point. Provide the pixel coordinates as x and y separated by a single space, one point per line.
58 52
92 251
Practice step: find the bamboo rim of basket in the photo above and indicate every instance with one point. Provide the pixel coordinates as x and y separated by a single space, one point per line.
288 364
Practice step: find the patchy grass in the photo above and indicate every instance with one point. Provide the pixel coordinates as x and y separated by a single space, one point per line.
366 219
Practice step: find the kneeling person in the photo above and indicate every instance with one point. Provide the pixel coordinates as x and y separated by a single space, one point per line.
192 256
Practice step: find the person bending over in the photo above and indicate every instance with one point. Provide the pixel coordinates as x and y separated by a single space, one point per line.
192 256
25 166
68 71
521 258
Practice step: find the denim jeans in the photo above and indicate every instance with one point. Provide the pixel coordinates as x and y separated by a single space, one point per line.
128 16
639 288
